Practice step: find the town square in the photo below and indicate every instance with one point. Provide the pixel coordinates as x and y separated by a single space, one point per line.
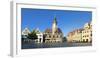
60 29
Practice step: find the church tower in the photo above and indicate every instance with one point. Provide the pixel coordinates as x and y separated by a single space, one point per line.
54 26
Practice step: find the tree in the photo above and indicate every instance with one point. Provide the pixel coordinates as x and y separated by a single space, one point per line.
64 39
32 35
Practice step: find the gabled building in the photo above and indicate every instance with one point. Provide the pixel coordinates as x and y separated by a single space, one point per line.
87 33
81 35
39 36
25 33
53 34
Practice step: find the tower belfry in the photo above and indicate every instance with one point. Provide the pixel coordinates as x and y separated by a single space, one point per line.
54 26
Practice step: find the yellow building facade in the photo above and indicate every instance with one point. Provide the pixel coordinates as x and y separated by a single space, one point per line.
81 35
75 36
87 33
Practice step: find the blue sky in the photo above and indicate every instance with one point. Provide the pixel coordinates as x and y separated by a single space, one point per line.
68 20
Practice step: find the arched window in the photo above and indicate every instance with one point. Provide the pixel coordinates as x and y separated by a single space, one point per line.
49 36
53 36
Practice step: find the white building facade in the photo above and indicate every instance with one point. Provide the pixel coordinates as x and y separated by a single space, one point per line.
25 32
39 36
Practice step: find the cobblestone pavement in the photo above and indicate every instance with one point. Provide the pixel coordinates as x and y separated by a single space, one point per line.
52 45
